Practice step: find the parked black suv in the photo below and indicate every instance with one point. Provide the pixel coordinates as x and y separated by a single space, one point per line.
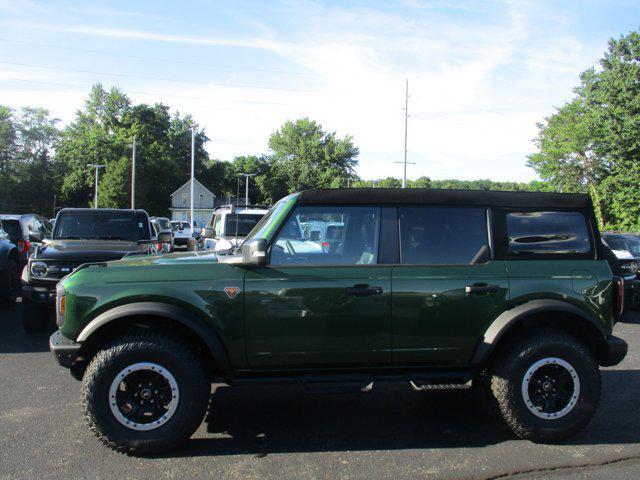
80 235
9 273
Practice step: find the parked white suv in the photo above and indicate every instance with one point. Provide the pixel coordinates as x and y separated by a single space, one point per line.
231 225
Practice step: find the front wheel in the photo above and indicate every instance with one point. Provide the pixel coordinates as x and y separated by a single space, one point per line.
146 393
546 387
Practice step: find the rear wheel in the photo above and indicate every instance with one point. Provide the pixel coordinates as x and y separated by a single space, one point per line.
9 284
546 387
146 393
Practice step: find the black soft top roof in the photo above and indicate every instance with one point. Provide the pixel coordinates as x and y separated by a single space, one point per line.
433 196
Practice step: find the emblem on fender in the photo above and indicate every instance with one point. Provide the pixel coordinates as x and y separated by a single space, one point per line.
231 292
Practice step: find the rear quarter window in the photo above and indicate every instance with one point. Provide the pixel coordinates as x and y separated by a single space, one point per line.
552 233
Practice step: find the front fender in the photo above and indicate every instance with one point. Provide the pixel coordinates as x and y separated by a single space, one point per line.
169 312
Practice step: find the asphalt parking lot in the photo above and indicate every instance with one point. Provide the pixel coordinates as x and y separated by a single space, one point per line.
268 432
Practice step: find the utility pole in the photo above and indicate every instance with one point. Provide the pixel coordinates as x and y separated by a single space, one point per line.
246 191
193 149
95 195
54 205
133 175
406 124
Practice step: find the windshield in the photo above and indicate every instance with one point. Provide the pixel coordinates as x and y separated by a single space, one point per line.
616 242
633 245
245 223
129 226
164 223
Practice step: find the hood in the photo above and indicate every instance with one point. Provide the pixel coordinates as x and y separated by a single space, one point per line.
182 258
623 255
88 250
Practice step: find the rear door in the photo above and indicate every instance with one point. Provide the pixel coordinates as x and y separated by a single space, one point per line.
447 287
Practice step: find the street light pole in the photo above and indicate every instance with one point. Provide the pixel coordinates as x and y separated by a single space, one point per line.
246 193
95 195
193 148
133 175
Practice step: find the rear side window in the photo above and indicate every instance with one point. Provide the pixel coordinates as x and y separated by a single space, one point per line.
443 235
547 232
13 229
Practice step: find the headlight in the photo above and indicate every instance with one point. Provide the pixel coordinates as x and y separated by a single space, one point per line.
39 269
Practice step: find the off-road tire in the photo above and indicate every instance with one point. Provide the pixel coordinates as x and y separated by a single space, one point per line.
9 284
35 317
504 385
182 362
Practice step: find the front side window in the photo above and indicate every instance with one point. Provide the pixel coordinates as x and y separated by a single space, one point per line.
443 235
547 232
328 235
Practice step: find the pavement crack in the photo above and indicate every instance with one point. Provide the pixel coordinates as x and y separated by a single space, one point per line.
563 468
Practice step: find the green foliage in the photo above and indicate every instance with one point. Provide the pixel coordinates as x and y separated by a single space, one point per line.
592 143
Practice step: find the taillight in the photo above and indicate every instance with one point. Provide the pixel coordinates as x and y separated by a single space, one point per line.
159 247
618 294
23 246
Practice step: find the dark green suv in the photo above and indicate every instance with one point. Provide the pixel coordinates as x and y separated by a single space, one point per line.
339 289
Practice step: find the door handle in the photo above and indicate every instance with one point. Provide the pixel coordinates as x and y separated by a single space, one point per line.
363 290
484 288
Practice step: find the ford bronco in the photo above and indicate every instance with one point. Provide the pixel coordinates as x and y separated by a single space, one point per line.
439 288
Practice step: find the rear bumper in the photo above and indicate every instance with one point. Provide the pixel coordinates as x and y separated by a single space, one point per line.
64 350
615 351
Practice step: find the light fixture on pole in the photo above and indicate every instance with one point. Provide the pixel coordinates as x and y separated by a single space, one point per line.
95 195
246 193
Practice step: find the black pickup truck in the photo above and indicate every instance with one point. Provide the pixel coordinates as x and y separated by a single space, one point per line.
80 235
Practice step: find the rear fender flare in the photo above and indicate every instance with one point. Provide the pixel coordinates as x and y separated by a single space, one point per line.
509 318
170 312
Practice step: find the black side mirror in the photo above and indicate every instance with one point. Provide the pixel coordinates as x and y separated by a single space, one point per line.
164 237
254 252
35 236
208 232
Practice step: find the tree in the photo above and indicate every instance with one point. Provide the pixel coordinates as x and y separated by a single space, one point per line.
566 156
305 156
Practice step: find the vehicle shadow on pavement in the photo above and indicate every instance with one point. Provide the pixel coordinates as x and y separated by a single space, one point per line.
630 316
262 420
15 340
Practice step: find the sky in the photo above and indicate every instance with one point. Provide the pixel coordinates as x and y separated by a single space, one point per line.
481 74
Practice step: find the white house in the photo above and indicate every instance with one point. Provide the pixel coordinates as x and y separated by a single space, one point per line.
203 204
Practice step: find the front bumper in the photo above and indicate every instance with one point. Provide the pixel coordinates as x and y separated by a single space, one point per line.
41 295
65 350
615 351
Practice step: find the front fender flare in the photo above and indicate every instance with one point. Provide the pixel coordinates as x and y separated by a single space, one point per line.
171 312
509 318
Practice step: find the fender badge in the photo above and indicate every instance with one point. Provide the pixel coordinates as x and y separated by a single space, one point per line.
231 292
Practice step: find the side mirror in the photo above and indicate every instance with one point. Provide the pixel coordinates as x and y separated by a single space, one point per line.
254 252
35 236
164 237
208 232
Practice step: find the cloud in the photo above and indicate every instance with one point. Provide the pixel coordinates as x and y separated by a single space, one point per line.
131 34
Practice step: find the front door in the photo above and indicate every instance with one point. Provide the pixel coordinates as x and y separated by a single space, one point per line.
323 300
447 289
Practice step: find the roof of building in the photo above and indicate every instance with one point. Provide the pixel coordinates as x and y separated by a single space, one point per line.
187 183
416 196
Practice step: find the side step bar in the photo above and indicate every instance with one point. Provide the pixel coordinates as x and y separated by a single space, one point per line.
421 383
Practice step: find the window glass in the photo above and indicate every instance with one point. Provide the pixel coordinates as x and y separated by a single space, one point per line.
103 226
547 232
245 223
217 224
317 235
443 235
